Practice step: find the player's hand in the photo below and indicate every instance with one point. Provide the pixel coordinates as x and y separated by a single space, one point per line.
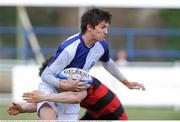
15 109
73 85
34 96
134 85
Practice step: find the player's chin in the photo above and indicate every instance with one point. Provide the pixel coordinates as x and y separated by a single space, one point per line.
102 38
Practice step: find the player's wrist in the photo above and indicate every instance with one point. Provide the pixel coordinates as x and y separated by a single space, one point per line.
23 108
125 82
62 85
46 97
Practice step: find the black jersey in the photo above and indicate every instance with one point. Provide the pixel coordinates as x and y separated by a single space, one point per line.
102 104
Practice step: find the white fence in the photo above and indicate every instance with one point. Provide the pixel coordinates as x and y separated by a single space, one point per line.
162 85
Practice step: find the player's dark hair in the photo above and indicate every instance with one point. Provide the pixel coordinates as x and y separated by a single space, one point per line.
93 17
44 65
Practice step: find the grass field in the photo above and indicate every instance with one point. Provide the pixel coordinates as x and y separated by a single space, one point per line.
133 114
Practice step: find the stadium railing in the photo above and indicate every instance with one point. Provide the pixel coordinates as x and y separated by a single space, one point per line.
130 33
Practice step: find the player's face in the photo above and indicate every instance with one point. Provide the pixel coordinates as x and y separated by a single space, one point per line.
100 31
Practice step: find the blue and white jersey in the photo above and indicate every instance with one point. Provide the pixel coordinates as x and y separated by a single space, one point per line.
74 53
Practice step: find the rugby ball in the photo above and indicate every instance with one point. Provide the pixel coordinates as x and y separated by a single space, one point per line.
76 73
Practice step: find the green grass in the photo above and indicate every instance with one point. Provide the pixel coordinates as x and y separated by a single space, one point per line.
152 113
25 116
135 113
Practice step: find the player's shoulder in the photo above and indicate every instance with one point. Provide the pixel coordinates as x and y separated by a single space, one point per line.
72 39
104 43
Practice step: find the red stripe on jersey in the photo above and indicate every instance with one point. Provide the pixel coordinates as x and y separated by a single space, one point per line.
94 96
110 108
123 117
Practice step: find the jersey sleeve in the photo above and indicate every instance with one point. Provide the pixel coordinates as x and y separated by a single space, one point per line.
60 61
105 57
112 68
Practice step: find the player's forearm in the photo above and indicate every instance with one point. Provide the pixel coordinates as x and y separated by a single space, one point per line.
112 68
55 67
29 108
48 77
66 97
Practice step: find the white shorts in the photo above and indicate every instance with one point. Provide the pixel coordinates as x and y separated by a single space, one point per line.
64 111
68 111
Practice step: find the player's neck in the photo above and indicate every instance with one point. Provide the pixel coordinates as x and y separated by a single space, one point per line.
89 42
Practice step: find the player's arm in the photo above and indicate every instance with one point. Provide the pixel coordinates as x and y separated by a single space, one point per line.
53 68
64 97
56 66
16 108
69 84
112 68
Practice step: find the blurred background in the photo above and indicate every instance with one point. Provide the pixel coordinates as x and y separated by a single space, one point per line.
144 41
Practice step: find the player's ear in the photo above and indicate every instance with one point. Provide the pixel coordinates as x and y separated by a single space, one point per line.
89 27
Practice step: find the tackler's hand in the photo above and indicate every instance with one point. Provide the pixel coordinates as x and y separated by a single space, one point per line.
34 97
15 109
